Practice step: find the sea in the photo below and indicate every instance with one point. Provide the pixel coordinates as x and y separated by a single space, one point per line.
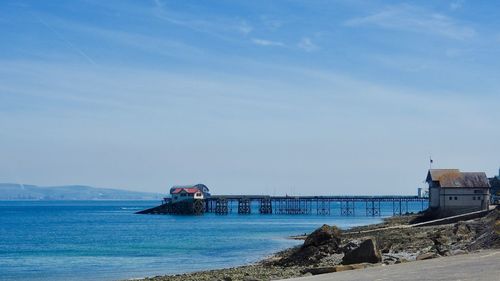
106 240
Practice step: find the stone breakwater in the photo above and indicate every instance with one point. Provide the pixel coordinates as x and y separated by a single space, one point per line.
329 249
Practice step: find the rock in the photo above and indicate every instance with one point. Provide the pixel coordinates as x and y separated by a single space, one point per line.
389 259
445 253
250 278
323 235
486 232
359 265
401 261
320 270
458 252
461 229
366 252
322 243
351 245
337 268
426 256
340 268
346 267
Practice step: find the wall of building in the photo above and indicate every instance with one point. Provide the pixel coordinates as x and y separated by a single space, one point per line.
434 197
454 201
183 196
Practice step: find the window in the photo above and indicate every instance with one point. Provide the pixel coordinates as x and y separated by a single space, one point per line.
479 198
473 197
478 191
456 198
450 198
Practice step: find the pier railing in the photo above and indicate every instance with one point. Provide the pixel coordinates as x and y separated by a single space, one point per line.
302 205
295 205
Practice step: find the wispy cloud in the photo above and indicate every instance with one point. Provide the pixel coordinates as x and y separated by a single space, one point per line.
244 28
159 3
307 45
222 28
70 45
415 19
126 39
271 23
455 5
263 42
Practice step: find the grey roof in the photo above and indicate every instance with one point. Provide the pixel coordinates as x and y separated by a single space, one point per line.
457 179
436 174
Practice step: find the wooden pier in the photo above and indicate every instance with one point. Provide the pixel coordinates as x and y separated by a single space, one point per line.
290 205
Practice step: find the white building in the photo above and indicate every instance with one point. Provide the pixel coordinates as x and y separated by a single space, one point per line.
452 192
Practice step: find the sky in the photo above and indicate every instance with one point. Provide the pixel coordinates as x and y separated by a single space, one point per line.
298 97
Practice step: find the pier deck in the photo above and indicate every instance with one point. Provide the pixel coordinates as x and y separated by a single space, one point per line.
292 205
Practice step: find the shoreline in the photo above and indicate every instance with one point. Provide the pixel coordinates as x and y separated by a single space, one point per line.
396 245
260 264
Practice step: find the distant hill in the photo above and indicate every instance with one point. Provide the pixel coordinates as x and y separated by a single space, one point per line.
13 191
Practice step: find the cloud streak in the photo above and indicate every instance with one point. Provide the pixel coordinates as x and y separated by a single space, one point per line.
67 42
456 5
307 45
222 28
267 43
415 19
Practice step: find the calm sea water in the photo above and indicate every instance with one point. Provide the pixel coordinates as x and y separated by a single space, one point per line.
105 240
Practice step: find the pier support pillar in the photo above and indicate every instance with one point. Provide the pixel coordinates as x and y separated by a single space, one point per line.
399 207
244 206
323 207
198 207
372 208
347 208
221 207
266 206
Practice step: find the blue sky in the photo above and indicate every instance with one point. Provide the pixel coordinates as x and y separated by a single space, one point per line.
295 97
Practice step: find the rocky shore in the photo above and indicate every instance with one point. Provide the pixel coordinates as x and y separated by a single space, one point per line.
330 249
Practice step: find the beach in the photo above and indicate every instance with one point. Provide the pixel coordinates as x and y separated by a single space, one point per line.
478 266
393 240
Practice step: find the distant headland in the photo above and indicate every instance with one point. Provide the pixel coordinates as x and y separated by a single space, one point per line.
15 191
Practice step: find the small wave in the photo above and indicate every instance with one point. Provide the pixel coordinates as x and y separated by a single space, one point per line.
130 208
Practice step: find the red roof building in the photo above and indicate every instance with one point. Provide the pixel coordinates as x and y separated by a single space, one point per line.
185 193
